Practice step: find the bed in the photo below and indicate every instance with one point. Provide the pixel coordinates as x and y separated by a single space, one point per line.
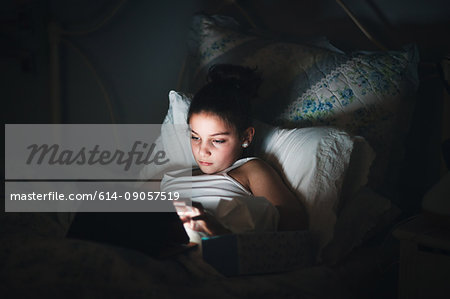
357 109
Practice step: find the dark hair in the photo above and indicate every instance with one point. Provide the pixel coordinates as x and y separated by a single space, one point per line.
228 94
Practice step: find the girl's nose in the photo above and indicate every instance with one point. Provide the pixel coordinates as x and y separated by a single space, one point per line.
204 150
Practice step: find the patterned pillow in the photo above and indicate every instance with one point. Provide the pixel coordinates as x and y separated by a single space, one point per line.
288 69
367 94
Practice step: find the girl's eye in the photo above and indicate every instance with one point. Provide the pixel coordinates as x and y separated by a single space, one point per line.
214 141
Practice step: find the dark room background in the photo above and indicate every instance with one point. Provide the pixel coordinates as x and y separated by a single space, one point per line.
138 54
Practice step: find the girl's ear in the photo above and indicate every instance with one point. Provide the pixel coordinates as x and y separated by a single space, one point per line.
248 135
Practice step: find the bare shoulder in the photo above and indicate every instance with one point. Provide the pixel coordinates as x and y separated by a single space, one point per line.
247 173
258 168
261 178
256 163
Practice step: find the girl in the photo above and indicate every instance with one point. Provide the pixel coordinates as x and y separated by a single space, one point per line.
221 133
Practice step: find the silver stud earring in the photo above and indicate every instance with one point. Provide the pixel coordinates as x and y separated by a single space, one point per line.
245 145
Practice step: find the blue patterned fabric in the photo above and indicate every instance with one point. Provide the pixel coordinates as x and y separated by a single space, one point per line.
367 94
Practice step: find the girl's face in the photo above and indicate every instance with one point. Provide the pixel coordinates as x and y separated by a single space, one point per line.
215 144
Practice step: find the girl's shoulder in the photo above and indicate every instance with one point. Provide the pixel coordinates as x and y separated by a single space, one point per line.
251 171
256 168
246 165
253 164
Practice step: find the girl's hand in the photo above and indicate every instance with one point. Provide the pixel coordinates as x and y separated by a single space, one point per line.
198 220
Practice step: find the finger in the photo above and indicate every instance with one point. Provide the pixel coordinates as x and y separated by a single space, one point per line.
197 226
185 219
200 217
201 226
197 205
193 213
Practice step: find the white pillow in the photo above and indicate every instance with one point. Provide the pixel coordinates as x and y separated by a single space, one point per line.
357 174
174 139
312 161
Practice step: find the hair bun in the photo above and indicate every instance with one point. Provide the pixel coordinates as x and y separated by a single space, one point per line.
239 77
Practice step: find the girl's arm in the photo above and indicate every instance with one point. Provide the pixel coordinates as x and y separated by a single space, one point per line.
264 181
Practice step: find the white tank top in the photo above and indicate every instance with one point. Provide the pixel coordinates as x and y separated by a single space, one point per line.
206 188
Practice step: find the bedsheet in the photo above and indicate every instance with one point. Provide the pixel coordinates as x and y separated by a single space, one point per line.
37 265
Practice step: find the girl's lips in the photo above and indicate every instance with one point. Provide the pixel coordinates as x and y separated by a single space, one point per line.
204 163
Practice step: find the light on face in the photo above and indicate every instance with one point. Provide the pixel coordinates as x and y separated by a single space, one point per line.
215 145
